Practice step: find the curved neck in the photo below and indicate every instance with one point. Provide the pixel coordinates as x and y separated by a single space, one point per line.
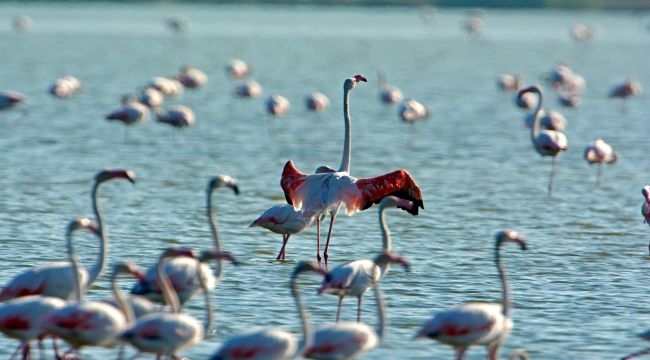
120 299
347 142
169 294
385 233
212 219
74 260
534 130
209 312
503 276
100 263
307 336
381 312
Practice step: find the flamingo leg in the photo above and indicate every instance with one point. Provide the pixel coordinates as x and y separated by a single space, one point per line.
600 174
329 233
552 177
460 353
285 238
359 299
493 351
638 353
338 311
318 239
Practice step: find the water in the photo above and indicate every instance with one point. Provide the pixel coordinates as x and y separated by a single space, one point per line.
578 291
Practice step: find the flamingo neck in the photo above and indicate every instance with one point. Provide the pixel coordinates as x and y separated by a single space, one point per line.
100 262
307 335
212 218
503 276
209 312
385 233
534 130
381 312
169 294
122 303
347 142
74 260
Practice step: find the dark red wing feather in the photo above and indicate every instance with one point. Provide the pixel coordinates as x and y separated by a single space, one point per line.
398 183
291 179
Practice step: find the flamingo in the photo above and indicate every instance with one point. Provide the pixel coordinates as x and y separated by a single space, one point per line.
508 82
599 152
151 97
645 336
191 77
23 23
477 323
167 333
545 142
10 99
177 23
625 90
388 94
277 105
411 111
237 69
131 112
170 88
56 278
569 100
346 339
183 272
178 116
272 343
85 323
317 101
356 277
645 208
139 305
282 219
324 192
250 88
21 317
581 32
65 86
548 119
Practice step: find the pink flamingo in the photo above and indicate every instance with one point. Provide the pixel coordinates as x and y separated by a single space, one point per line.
168 333
10 99
625 90
20 318
317 101
545 142
191 77
645 336
139 304
237 69
645 208
272 343
56 278
325 192
178 116
347 339
66 86
131 112
477 323
151 97
85 323
169 87
277 105
282 219
250 88
184 272
599 152
354 278
508 82
388 94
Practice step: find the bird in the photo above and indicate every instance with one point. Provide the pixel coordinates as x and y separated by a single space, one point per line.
139 305
277 105
10 99
65 86
169 87
317 101
166 333
347 339
625 90
388 94
645 336
545 142
56 278
354 278
237 69
411 111
282 219
177 23
645 208
22 23
581 32
178 116
250 88
477 323
548 119
131 112
191 77
508 82
83 323
183 272
599 152
324 192
151 97
272 343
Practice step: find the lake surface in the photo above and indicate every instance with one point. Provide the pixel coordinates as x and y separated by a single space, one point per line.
579 291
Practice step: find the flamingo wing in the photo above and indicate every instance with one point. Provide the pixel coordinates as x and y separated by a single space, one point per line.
342 340
398 183
291 179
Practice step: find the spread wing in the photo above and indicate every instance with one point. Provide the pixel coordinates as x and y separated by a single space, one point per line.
398 183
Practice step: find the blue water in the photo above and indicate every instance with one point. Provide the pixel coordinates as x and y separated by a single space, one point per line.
578 292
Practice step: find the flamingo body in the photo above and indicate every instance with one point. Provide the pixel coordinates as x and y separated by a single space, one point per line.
645 208
131 112
508 82
151 97
626 89
388 94
53 279
317 101
178 116
9 99
277 105
170 88
191 77
250 88
237 68
599 152
65 86
259 344
549 120
282 219
342 340
412 110
164 333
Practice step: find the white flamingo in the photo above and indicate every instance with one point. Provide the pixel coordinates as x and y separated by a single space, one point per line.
250 88
347 339
317 101
272 343
282 219
56 278
166 333
599 152
509 82
354 278
545 142
388 94
178 116
277 105
325 192
191 77
169 87
151 97
20 318
237 69
131 112
66 86
477 323
10 99
183 272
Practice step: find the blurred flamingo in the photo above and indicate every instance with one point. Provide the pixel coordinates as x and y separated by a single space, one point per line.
317 101
599 152
277 105
272 343
509 82
354 278
545 142
625 90
388 94
477 323
347 339
191 77
548 119
23 23
237 69
131 112
325 192
56 278
282 219
151 97
645 208
66 86
250 88
184 272
10 99
178 116
169 87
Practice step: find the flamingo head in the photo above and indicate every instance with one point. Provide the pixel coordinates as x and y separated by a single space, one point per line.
224 181
127 267
511 236
351 82
217 255
176 251
305 266
388 257
106 175
646 193
83 223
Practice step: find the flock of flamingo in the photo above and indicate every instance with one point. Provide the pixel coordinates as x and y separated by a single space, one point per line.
47 302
